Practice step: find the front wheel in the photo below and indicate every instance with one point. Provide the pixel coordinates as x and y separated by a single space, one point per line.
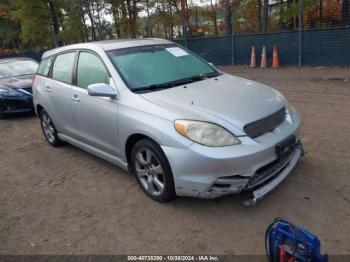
152 171
49 129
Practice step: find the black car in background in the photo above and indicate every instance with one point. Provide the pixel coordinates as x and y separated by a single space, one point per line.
16 75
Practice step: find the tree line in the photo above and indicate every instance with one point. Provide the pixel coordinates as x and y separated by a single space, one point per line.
51 23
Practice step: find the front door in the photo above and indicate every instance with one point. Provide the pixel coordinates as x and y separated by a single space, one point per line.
95 118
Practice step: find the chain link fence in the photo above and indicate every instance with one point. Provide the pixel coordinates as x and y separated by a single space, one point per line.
312 47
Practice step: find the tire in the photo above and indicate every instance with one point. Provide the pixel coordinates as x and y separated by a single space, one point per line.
152 170
49 129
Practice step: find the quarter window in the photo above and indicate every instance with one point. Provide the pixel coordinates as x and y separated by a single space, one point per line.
44 66
90 70
63 67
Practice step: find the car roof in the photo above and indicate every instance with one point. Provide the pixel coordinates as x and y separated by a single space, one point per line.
15 59
108 45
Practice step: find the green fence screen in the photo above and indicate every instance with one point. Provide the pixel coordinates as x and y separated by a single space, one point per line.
322 47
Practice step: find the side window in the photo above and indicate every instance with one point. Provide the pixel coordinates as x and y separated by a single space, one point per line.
44 66
62 67
90 70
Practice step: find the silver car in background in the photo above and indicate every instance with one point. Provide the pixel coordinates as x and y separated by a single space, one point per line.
180 125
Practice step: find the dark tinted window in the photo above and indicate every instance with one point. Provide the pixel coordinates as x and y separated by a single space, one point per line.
91 70
62 67
44 66
18 68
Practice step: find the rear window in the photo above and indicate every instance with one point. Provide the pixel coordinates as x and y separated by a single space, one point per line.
63 67
44 66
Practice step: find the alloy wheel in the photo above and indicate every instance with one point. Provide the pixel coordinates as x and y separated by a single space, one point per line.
48 127
149 171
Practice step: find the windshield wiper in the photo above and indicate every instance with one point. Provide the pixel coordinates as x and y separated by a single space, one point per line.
210 75
174 83
170 84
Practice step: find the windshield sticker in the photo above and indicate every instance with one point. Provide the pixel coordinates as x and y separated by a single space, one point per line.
176 51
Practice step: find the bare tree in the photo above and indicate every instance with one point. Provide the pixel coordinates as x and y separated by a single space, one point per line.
89 11
54 19
148 24
228 17
115 9
213 11
321 11
265 15
259 15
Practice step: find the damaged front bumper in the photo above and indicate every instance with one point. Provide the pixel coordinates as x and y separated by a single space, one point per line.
283 173
271 177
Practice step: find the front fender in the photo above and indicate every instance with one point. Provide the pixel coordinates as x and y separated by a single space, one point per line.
132 121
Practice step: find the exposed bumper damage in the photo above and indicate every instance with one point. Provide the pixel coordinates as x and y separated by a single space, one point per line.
281 175
272 177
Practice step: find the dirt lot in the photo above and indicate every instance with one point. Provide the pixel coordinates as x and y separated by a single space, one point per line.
65 201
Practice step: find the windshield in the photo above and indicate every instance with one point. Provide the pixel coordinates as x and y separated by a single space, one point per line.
159 66
17 68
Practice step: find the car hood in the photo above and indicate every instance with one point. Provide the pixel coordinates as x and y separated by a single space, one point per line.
17 82
234 100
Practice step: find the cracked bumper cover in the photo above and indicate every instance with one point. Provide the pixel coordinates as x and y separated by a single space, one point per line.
239 185
268 187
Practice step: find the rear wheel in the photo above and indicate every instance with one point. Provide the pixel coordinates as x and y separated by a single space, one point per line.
152 171
49 129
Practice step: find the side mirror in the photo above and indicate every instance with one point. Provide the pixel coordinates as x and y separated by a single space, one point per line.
102 90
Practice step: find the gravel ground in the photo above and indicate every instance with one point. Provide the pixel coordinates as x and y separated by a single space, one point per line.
66 201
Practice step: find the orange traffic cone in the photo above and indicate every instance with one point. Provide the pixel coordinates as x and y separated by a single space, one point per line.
263 58
275 61
253 58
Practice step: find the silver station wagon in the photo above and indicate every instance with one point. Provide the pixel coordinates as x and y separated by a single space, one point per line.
179 124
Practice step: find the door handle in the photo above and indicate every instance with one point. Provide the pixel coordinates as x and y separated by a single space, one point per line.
47 89
75 98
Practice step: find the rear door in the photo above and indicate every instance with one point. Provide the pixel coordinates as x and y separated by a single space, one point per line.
95 118
41 80
57 90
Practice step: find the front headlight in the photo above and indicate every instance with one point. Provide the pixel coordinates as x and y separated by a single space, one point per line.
9 92
205 133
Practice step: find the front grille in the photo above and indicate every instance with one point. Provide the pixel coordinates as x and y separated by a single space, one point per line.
268 171
265 124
